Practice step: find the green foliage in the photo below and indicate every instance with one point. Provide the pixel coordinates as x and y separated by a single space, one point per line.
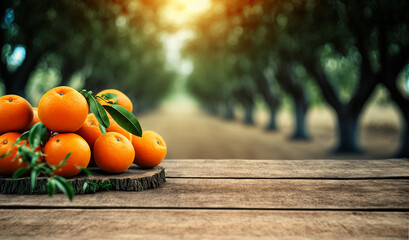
125 119
85 170
93 187
29 154
102 129
96 108
109 47
107 96
121 115
236 42
64 186
37 134
342 70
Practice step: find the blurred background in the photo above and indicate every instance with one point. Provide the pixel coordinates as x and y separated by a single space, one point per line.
277 79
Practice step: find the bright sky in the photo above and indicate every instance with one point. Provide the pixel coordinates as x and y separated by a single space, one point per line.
181 14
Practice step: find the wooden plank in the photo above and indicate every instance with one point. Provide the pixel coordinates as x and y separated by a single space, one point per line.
200 224
240 193
236 168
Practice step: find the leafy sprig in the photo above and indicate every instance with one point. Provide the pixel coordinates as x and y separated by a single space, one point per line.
121 115
31 155
93 187
96 108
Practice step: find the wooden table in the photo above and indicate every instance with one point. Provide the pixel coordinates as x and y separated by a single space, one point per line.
230 199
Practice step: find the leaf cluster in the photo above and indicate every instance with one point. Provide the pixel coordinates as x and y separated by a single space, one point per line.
93 187
36 137
119 114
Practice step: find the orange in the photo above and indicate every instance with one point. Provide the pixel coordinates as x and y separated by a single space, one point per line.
16 114
150 149
123 100
7 165
36 119
113 153
63 109
90 130
114 127
60 145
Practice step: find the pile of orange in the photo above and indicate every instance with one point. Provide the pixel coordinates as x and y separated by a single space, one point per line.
65 113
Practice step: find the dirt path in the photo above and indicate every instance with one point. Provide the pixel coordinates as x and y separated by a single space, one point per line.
193 134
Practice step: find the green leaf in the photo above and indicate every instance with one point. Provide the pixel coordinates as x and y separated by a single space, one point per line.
22 137
46 168
86 170
44 134
125 119
109 95
19 172
51 187
93 186
36 134
34 158
106 184
63 162
103 130
40 154
96 108
5 155
33 178
64 186
25 153
116 102
84 187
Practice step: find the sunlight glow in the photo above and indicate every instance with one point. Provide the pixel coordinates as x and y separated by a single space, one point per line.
173 44
17 57
180 12
179 16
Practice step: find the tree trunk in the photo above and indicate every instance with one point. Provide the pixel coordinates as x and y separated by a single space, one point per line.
403 105
403 151
212 109
228 110
246 98
11 83
347 113
300 112
270 98
272 124
12 88
248 114
295 88
347 133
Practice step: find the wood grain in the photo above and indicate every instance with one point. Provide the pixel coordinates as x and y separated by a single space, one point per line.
200 224
237 168
240 193
133 179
